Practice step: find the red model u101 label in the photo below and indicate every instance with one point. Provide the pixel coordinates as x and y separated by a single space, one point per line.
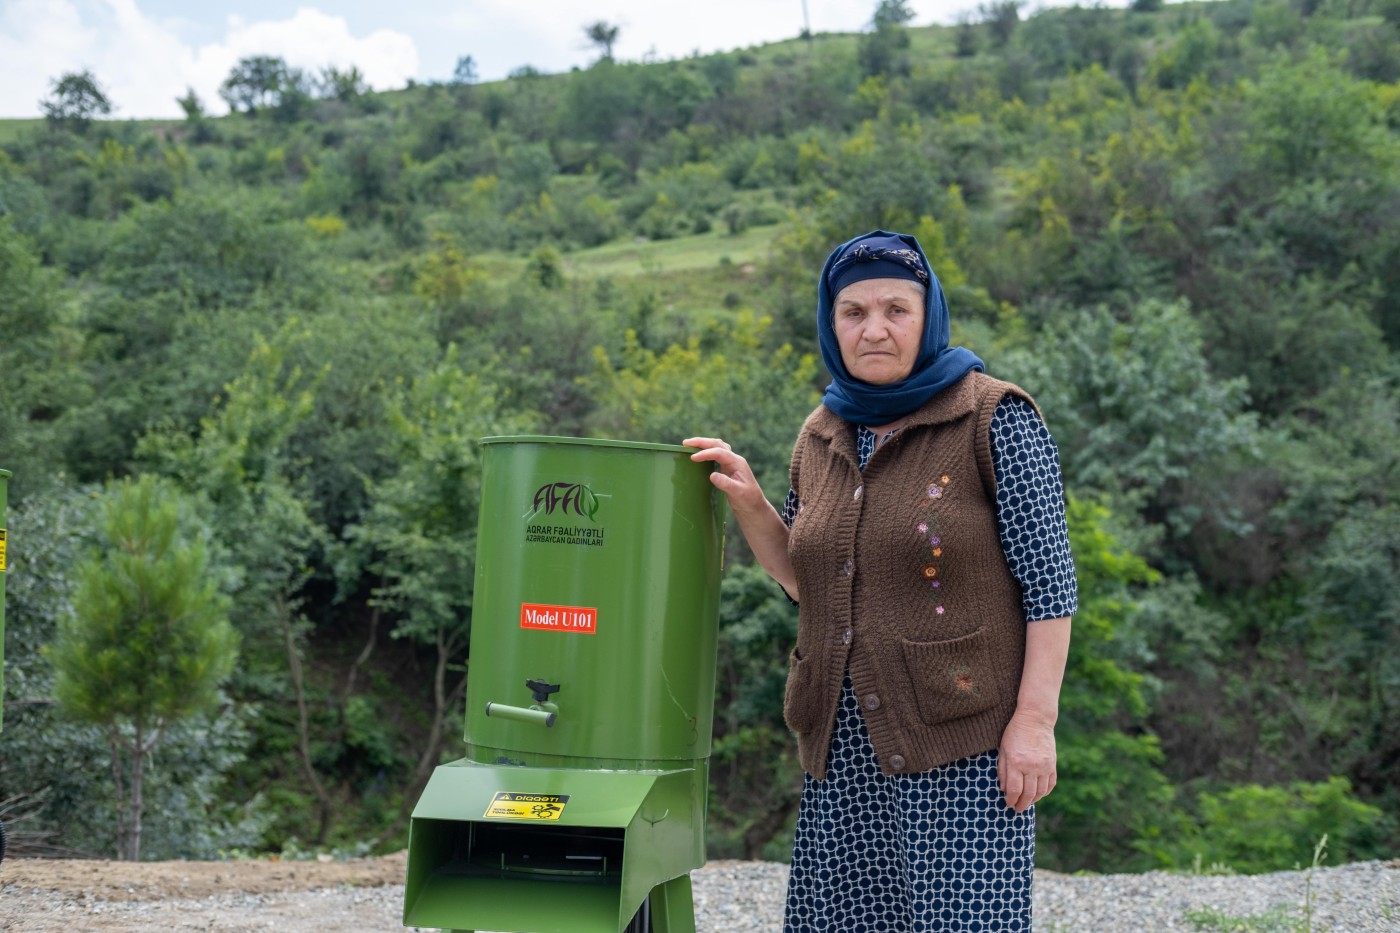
559 618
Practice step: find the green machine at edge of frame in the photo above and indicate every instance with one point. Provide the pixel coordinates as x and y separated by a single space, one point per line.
4 565
4 570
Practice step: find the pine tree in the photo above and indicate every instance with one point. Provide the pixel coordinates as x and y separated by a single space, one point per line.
149 640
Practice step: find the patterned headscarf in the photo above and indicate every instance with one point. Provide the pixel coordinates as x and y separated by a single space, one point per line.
880 254
867 261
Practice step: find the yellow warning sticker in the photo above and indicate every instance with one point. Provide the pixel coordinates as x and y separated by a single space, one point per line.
526 806
2 550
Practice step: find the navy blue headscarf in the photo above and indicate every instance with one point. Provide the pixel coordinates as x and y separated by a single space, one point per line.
887 255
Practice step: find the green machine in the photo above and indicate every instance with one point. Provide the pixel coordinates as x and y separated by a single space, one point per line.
4 492
580 804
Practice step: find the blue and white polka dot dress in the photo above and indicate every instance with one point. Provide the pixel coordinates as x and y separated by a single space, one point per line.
941 850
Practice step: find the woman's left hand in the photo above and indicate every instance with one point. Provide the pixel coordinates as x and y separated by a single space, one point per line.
1026 760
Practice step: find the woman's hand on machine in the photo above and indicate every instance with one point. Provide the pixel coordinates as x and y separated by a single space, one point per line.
732 475
763 528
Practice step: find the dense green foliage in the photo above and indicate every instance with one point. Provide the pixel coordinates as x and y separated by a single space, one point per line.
1177 226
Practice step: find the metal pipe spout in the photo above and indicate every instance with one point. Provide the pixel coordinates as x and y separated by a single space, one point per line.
534 714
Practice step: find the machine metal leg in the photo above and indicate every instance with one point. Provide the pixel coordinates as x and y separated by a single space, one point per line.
673 907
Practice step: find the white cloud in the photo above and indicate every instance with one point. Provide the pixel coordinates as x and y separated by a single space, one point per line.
503 35
144 65
313 40
34 34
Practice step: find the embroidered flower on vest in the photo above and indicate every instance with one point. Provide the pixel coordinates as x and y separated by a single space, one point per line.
929 569
962 679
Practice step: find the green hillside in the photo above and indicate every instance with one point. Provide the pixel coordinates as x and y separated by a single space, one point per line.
1177 226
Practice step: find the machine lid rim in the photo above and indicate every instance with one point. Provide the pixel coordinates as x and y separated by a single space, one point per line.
585 442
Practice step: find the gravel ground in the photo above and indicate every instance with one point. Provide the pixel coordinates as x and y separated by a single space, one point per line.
739 897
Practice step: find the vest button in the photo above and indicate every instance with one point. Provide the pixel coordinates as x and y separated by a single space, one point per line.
846 637
872 701
897 762
859 490
849 567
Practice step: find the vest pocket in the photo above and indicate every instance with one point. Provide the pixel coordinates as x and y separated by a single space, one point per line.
953 678
800 705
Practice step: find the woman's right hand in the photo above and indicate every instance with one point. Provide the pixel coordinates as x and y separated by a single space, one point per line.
758 520
732 475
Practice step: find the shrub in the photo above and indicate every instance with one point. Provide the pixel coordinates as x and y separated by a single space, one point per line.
1254 829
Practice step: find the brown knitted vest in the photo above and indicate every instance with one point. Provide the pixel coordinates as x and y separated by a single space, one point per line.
903 582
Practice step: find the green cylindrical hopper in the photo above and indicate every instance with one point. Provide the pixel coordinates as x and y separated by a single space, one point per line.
4 565
597 573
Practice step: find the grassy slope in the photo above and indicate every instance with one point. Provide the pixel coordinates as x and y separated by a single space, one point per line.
626 258
13 129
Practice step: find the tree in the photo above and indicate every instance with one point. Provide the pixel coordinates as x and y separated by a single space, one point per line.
48 797
966 36
1192 54
882 51
256 489
264 81
148 642
1001 17
294 97
39 357
1110 801
76 98
1255 828
1135 407
465 72
344 86
253 82
603 35
196 118
891 14
192 106
212 250
756 780
546 267
731 381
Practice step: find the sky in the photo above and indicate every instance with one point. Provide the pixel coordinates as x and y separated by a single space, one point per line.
146 53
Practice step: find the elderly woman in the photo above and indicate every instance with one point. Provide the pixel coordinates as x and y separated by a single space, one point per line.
924 538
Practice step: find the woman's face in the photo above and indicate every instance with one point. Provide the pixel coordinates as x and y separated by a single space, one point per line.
879 323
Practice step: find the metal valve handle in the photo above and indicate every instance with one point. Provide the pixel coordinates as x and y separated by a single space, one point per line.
542 689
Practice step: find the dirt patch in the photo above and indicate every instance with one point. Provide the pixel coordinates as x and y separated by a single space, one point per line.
156 881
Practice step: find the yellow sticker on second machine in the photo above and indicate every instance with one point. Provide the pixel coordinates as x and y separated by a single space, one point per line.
511 806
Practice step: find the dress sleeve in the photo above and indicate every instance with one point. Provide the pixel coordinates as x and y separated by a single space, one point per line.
1031 510
789 510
